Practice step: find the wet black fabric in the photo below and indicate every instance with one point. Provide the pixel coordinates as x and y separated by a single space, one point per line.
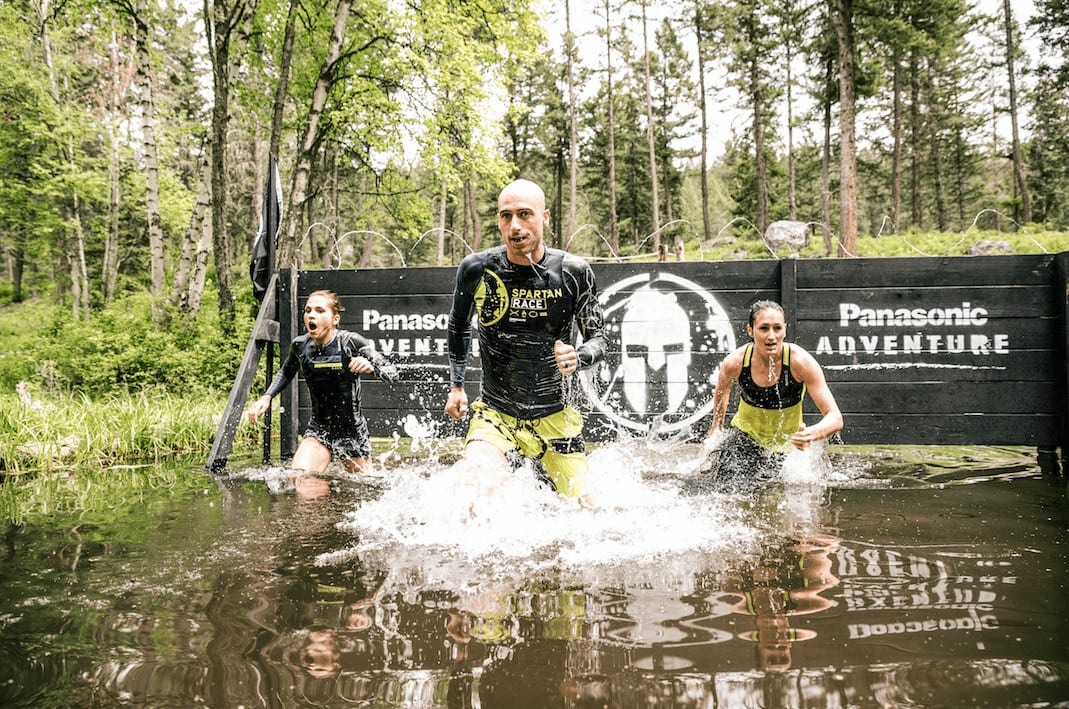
785 393
335 391
739 465
522 310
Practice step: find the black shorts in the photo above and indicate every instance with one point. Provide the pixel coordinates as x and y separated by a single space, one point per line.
741 464
352 442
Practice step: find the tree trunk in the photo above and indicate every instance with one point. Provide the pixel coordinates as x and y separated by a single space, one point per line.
109 271
193 244
960 175
556 216
18 262
614 227
476 220
655 205
844 23
368 252
915 132
442 203
760 167
935 159
148 143
75 249
220 26
896 137
200 231
573 132
288 250
1019 176
707 229
335 212
257 150
285 62
825 166
79 272
792 192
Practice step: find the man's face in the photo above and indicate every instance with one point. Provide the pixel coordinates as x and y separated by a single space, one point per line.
521 218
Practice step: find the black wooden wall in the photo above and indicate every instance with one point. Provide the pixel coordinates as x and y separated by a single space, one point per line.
953 350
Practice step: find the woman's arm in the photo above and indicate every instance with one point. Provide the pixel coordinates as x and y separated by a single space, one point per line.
730 369
282 379
808 371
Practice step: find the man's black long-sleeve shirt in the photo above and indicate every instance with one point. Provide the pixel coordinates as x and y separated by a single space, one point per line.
522 310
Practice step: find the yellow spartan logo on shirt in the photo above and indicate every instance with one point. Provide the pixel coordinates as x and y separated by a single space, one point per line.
491 298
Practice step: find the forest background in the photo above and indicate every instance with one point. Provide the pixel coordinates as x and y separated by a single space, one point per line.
135 138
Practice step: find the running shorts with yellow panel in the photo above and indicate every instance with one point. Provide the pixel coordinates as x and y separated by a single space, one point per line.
556 440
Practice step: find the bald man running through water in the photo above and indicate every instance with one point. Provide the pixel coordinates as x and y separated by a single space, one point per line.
529 299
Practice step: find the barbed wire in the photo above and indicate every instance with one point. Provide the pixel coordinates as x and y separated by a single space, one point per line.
616 257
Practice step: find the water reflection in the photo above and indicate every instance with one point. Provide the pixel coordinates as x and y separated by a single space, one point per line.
828 590
785 583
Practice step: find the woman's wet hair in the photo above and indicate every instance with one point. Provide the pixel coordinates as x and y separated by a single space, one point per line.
332 300
760 305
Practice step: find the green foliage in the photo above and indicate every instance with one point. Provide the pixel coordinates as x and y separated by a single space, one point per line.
119 349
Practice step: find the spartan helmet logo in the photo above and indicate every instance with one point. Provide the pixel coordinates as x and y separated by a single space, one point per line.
672 336
655 346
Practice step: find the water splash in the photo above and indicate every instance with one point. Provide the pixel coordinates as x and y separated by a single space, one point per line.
433 519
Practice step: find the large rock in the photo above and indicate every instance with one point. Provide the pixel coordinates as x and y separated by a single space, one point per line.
787 234
990 247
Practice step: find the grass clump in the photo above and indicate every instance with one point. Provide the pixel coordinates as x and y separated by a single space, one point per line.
77 432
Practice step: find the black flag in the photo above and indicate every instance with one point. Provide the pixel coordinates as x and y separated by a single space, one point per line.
263 249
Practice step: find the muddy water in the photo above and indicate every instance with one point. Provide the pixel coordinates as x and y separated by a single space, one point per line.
862 579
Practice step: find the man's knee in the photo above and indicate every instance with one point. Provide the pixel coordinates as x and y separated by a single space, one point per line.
478 452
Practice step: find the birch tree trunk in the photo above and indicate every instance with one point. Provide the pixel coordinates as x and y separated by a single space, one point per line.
109 271
788 50
285 64
192 244
200 258
75 245
148 143
825 181
760 164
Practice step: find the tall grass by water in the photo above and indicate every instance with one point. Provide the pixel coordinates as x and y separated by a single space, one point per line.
77 453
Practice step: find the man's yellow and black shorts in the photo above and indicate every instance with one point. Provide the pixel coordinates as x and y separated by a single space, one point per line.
556 440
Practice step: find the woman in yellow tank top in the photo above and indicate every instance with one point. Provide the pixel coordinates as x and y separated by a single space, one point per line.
774 378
